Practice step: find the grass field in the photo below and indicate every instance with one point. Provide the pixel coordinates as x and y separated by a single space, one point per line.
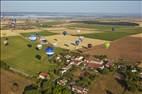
101 27
110 36
106 32
19 56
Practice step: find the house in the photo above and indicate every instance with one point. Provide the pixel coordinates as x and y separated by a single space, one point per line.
67 56
62 82
109 64
141 75
43 75
133 70
79 90
95 66
79 58
77 63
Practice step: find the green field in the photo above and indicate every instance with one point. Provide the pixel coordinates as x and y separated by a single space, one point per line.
42 33
105 31
101 27
110 36
19 56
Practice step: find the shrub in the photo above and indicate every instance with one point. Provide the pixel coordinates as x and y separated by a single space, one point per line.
4 65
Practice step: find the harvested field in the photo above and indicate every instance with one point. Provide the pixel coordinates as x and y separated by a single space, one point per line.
16 32
27 31
137 35
65 41
7 82
5 33
127 47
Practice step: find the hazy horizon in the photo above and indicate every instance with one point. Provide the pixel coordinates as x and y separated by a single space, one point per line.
103 7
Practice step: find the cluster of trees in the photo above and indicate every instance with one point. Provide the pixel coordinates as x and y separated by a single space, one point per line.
101 57
46 87
4 65
131 80
108 23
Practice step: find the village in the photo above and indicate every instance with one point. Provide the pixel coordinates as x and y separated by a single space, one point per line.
90 68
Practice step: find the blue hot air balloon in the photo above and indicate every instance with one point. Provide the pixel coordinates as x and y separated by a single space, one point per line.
49 51
32 37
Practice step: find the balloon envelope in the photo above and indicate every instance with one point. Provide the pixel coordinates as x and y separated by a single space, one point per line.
49 51
107 44
65 33
32 37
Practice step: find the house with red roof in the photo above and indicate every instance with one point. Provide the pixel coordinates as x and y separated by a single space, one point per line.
43 75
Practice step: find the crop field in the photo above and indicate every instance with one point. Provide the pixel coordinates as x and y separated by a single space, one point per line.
65 41
121 47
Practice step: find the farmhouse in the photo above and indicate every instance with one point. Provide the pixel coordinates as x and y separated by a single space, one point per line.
94 64
62 82
43 75
109 64
79 90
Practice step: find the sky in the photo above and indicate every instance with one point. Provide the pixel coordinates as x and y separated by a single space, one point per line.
131 7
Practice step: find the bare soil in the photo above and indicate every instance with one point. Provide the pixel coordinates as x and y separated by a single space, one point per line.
128 48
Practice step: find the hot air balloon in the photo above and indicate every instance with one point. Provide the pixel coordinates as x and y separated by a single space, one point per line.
78 31
107 45
90 45
32 37
77 42
49 51
65 33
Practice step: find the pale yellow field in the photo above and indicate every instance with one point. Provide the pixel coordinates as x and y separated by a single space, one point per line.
68 39
16 32
137 35
6 33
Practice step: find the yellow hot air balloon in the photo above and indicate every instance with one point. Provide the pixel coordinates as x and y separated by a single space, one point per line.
107 45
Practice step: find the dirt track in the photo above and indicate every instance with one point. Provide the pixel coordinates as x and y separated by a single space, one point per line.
128 48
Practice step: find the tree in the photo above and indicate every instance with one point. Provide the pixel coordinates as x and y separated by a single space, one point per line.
31 89
38 57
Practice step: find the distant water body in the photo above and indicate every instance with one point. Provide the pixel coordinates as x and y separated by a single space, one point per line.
55 14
